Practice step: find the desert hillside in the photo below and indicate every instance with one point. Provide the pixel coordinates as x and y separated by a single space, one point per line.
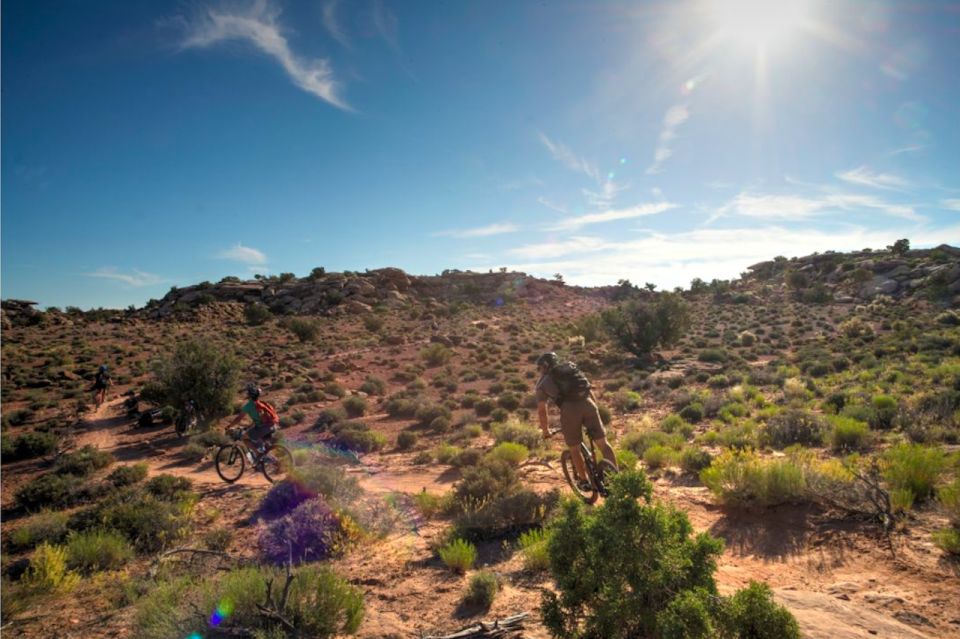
807 414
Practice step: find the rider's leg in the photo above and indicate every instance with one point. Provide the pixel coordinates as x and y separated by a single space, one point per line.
607 450
595 430
579 466
571 425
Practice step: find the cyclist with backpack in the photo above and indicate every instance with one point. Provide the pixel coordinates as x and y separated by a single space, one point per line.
566 385
100 383
264 417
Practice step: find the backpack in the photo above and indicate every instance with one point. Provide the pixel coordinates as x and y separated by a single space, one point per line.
268 414
571 382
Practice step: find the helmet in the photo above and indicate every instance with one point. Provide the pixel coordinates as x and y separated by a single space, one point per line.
103 368
253 391
547 360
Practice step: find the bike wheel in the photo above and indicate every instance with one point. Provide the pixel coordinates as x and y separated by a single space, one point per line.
566 462
230 463
603 472
180 426
276 464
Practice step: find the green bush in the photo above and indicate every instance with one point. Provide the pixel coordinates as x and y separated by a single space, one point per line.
687 616
659 456
639 441
46 526
169 487
97 550
358 437
948 540
639 326
82 462
48 572
256 314
406 440
794 426
436 355
884 412
127 475
693 459
373 386
29 445
752 612
949 498
847 434
533 547
510 452
914 467
458 555
47 490
355 405
741 478
200 370
692 412
304 328
519 433
712 355
482 590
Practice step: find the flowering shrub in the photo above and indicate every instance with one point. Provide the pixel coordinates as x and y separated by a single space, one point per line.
311 532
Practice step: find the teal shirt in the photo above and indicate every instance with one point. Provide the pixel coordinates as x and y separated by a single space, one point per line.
250 408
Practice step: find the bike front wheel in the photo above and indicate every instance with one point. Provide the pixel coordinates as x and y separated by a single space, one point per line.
277 463
566 462
230 463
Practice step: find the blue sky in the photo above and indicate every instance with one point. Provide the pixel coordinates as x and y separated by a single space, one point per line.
149 144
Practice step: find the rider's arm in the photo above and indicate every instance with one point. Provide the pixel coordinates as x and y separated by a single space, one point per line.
542 416
234 422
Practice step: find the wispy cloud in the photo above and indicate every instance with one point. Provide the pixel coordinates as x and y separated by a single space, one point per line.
640 210
569 159
136 278
673 118
245 254
258 25
559 208
546 250
798 208
865 177
332 24
952 205
605 197
386 23
482 231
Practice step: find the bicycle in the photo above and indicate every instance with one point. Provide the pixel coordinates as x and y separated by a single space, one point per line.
598 471
188 419
274 461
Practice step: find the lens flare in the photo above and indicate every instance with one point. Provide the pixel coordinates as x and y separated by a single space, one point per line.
224 610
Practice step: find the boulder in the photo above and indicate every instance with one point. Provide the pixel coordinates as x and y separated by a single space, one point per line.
880 286
356 307
393 276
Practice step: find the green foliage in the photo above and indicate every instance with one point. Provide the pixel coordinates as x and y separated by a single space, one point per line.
358 436
97 550
46 526
741 478
458 555
639 441
406 440
948 540
128 474
687 616
306 329
518 432
482 590
510 452
659 456
693 459
692 412
82 462
534 548
712 355
198 370
794 426
914 467
29 445
639 327
752 613
884 412
848 434
355 405
47 490
436 354
256 314
48 572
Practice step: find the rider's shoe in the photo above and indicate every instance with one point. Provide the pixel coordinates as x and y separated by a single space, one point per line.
250 458
584 485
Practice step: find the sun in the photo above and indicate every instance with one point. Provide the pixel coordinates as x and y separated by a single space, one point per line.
758 23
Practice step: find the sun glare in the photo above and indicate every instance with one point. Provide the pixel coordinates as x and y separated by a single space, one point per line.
758 22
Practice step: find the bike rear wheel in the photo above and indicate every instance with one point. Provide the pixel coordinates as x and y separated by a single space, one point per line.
566 462
230 462
277 463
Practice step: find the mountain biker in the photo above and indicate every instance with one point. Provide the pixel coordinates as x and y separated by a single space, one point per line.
257 436
100 383
566 386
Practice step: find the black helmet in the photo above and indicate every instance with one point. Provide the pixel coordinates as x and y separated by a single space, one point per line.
547 360
253 391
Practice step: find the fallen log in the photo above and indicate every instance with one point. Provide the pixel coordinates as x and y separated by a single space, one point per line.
496 629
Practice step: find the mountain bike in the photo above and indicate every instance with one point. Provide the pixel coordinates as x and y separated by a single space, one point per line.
599 471
273 460
188 419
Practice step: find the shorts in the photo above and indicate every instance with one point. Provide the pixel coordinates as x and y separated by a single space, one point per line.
259 433
577 413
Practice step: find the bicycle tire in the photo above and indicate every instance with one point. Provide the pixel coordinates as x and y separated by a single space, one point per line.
602 474
276 464
229 458
566 462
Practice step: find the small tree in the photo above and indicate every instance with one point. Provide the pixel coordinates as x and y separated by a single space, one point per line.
900 247
639 326
317 273
199 370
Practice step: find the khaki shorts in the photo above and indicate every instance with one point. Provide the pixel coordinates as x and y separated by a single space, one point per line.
574 415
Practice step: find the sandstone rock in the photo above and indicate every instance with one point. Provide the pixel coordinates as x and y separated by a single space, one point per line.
394 340
356 307
338 366
823 616
880 286
393 276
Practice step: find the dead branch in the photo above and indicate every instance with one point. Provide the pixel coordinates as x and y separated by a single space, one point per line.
496 629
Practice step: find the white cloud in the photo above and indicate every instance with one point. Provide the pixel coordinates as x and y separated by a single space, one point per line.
673 118
569 159
798 208
482 231
332 24
559 208
608 193
258 25
953 205
386 23
557 249
865 177
641 210
137 278
245 254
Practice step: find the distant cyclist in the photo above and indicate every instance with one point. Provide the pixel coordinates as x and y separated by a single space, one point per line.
568 387
264 417
100 383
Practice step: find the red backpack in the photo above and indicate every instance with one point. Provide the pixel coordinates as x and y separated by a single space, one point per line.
268 414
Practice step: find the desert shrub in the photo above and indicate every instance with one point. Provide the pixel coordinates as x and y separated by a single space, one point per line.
519 433
509 401
505 514
256 314
673 423
740 478
46 526
440 424
305 329
447 453
948 540
429 411
355 405
373 385
712 355
747 338
626 400
310 532
198 370
884 412
373 323
210 439
752 612
82 462
692 412
29 445
147 522
794 426
915 468
639 327
652 560
510 452
330 416
406 440
855 327
458 555
659 456
481 483
48 572
47 490
533 547
482 590
847 434
468 457
693 459
358 437
97 550
436 355
639 441
429 504
169 487
687 616
218 539
283 497
484 407
128 474
949 498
